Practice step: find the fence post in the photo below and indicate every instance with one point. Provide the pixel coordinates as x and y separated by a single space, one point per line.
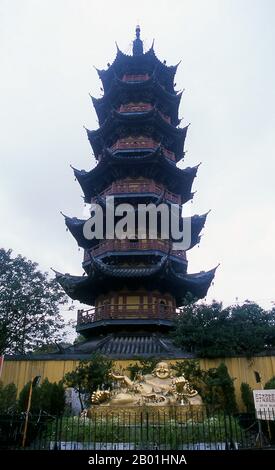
147 428
141 429
232 444
225 430
260 434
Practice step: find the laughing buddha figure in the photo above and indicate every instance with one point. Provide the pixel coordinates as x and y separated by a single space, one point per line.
157 388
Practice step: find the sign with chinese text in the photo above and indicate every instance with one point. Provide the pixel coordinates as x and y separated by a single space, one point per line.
264 401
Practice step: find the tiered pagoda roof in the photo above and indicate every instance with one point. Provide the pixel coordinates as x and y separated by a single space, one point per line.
161 276
135 287
148 91
151 123
75 226
152 165
146 63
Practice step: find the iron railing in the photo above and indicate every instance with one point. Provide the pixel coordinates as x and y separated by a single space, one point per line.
139 429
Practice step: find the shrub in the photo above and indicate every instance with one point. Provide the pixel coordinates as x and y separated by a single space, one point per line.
270 384
8 400
49 397
143 366
220 389
247 397
89 376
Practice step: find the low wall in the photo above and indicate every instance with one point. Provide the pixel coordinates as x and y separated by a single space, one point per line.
21 371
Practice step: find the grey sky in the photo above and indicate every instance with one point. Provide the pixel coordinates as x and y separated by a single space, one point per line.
47 51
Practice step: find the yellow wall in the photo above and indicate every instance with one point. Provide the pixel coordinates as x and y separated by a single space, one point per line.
20 372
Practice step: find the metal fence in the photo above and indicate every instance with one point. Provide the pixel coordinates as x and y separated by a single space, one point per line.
139 430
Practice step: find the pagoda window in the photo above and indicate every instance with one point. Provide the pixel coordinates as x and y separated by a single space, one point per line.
145 302
132 302
120 302
162 306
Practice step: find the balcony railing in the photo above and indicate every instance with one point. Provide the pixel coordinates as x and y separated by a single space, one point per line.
135 143
127 245
135 107
141 108
133 186
135 78
127 312
140 144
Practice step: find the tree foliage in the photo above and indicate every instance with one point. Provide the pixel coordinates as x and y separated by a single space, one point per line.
247 397
270 384
8 400
143 366
214 331
29 305
220 389
48 397
215 385
89 376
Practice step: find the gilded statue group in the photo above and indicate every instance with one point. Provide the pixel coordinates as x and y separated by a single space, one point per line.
160 388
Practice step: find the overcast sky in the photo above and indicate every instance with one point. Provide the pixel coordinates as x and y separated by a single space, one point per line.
48 49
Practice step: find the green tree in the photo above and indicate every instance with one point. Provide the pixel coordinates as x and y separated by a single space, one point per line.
52 397
29 305
220 389
247 397
23 398
48 397
89 376
270 384
211 331
143 366
252 327
191 370
215 385
8 400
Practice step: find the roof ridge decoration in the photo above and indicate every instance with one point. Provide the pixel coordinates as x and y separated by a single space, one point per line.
146 60
137 43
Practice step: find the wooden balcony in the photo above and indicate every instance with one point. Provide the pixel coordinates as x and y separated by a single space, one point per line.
135 108
139 144
141 108
128 186
129 246
130 143
127 312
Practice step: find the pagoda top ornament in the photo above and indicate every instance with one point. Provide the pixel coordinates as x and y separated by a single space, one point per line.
137 43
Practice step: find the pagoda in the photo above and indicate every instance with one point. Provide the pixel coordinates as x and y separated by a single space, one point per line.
135 286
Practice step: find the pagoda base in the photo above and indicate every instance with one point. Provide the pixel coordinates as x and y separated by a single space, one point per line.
147 413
